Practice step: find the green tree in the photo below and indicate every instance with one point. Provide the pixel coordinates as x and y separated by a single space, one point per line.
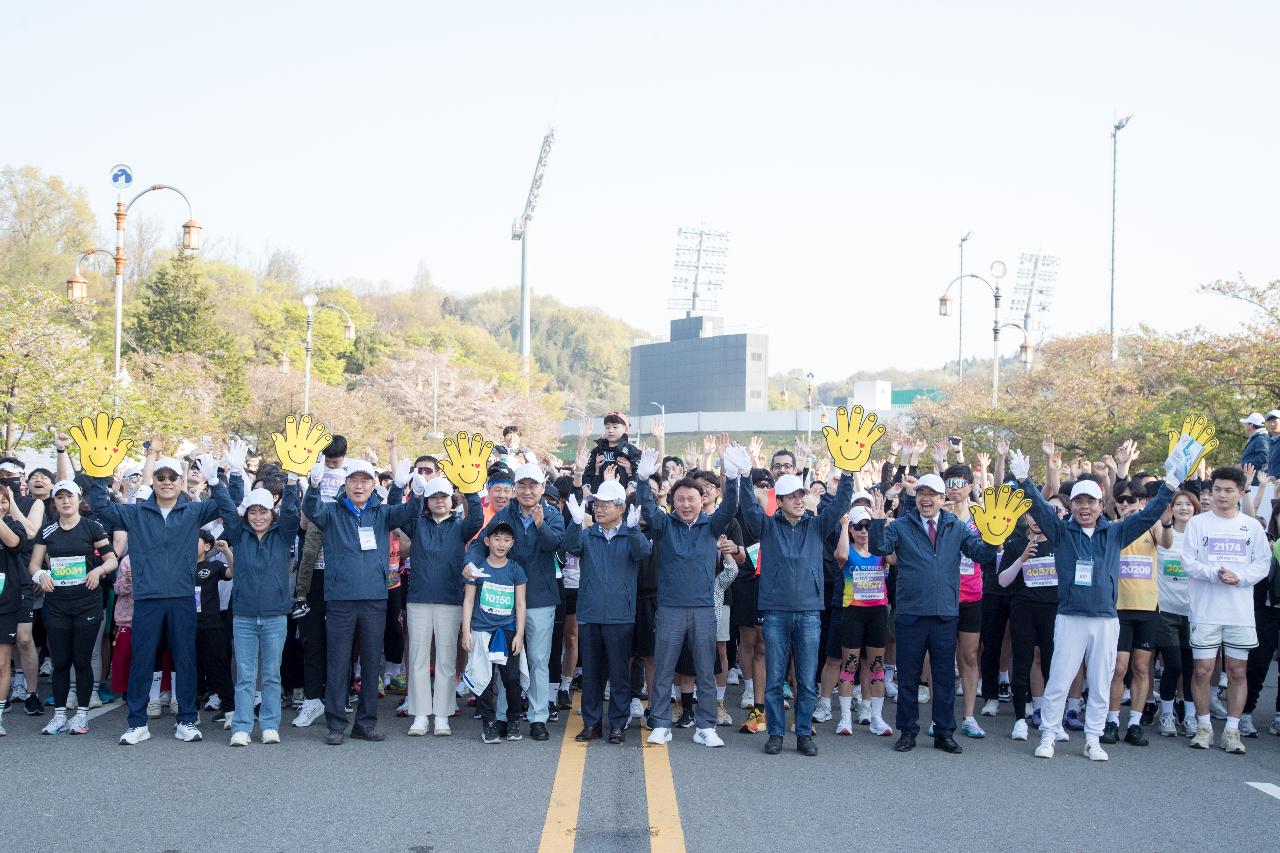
43 222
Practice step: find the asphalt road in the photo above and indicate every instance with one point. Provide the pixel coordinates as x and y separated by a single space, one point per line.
456 794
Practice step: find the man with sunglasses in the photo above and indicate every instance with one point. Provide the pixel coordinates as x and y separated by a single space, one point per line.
163 532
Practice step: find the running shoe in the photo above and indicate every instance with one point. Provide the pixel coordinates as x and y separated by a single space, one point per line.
1110 733
297 699
686 720
270 736
419 727
57 725
1036 718
1134 736
733 676
1216 709
564 700
1230 742
890 689
822 712
300 609
1275 725
1168 725
864 713
1189 726
1045 749
747 700
402 710
105 694
1005 694
708 737
186 732
33 706
95 701
991 708
213 703
1203 738
753 724
46 668
135 736
399 684
1093 751
845 726
659 736
1148 713
723 718
489 732
442 727
880 728
79 724
970 728
240 739
312 710
637 708
924 694
1019 730
18 693
1247 728
1072 720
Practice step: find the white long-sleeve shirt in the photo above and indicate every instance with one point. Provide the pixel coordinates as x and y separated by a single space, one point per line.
1238 544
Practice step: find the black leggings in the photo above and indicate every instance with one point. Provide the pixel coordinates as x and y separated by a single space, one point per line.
995 615
1177 663
1031 624
393 634
73 631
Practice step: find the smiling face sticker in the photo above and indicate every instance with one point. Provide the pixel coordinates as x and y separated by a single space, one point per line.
999 513
851 439
465 466
101 448
301 444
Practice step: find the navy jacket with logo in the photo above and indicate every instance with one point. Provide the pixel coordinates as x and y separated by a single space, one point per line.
351 573
687 553
609 571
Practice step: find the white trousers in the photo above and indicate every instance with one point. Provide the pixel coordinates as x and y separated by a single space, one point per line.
1091 639
442 623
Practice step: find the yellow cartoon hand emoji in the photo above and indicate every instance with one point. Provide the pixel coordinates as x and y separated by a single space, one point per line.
999 513
1199 430
465 465
300 447
850 443
101 448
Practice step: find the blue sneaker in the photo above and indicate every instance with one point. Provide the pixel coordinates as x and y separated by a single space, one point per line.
105 694
1035 718
1072 721
970 728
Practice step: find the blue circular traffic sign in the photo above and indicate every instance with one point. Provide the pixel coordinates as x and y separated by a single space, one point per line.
121 176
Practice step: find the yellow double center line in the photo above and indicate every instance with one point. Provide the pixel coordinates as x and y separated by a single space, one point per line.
560 829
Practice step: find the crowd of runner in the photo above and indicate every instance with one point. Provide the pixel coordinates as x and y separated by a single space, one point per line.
1125 601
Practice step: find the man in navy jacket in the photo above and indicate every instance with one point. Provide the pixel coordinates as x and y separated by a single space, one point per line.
929 542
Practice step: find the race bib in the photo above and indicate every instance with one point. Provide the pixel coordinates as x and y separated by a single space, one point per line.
367 540
1084 573
868 585
1226 549
966 567
1173 570
197 599
1135 568
1040 572
498 599
68 571
753 551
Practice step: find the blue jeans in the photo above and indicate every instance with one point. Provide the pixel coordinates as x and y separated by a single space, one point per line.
259 643
538 625
788 633
178 615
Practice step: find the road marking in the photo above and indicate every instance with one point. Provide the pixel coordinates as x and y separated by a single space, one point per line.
665 833
561 825
105 709
1266 788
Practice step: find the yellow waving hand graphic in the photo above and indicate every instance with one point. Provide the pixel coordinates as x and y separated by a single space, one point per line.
1197 438
300 447
850 444
999 512
101 448
465 466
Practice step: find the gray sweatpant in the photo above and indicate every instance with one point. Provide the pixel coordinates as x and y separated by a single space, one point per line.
672 625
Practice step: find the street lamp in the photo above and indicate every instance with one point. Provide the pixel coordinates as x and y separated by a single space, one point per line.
960 338
1025 355
997 272
77 287
1115 131
348 332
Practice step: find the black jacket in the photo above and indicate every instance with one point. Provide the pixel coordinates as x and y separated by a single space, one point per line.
603 454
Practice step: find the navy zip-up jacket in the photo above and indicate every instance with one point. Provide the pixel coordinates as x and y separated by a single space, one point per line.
435 558
1273 457
687 553
535 550
261 584
353 574
162 551
1256 453
1071 544
791 569
609 571
928 576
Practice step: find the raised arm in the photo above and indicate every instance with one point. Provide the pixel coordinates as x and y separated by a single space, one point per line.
290 513
829 520
116 515
1133 527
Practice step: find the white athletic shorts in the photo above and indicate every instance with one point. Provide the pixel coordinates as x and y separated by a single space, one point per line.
1236 640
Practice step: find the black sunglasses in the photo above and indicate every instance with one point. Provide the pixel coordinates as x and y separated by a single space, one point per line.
165 478
862 525
1126 499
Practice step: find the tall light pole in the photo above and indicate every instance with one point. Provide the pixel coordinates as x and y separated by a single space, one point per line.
520 231
348 332
998 271
1115 132
960 344
808 432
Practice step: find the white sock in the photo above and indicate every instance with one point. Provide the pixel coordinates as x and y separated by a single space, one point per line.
748 688
155 687
1113 717
720 694
1004 677
824 703
846 703
1037 703
565 682
1166 706
877 706
1135 717
1233 723
1203 720
19 679
1191 711
1073 704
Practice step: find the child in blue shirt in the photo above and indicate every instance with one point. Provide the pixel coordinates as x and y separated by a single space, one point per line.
493 614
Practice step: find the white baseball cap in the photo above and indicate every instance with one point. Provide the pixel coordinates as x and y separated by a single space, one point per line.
862 495
788 484
530 471
1088 488
167 462
932 482
66 486
1254 419
859 513
1274 413
360 466
611 491
438 486
259 497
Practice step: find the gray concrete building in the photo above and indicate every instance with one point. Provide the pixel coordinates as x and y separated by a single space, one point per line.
701 370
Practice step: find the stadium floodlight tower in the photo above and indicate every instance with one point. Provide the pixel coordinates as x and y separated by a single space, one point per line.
1033 289
520 231
699 267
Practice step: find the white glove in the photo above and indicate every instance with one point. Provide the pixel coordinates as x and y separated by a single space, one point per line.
402 474
207 468
419 484
291 478
235 455
317 472
633 516
1178 465
741 461
648 465
1019 464
577 511
729 464
470 571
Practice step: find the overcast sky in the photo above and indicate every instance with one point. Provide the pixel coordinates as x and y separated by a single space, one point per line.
846 147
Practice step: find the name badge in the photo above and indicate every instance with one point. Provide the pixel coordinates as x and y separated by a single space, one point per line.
1084 573
966 567
367 540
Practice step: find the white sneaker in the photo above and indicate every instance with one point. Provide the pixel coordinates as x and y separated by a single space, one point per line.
46 668
864 713
135 736
822 713
79 724
659 736
845 726
1126 698
991 708
1216 709
186 732
312 710
1094 751
240 739
748 699
213 703
460 690
959 686
733 676
270 736
72 702
1247 728
1168 725
419 727
970 728
924 694
1189 726
890 689
95 701
1275 725
173 706
56 725
18 693
1045 749
880 728
153 710
1019 730
707 737
637 708
226 722
1222 680
1062 736
442 726
165 698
